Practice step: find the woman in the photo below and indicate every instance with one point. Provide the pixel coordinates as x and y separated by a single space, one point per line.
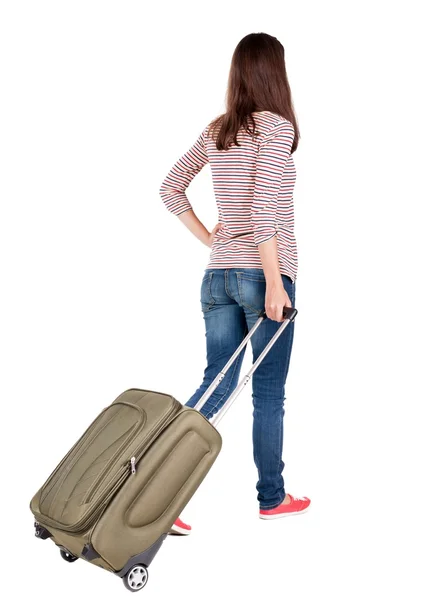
253 261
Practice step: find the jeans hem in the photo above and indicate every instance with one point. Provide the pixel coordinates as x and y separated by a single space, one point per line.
272 506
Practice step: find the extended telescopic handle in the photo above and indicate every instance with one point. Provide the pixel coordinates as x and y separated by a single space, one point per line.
289 315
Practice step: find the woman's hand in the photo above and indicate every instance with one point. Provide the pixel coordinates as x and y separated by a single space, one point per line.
211 235
195 226
275 300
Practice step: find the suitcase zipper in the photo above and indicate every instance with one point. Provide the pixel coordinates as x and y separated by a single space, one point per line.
89 496
127 470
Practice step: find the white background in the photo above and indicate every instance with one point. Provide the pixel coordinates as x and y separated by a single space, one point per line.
100 284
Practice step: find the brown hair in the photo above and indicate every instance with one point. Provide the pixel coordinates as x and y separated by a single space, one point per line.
257 81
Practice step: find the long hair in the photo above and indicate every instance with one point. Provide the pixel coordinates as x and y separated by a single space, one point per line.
257 81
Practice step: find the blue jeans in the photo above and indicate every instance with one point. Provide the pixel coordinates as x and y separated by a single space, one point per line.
231 302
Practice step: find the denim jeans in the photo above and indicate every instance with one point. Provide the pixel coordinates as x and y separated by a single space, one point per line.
231 301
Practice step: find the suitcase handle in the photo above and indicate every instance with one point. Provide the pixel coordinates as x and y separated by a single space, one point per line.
287 312
289 315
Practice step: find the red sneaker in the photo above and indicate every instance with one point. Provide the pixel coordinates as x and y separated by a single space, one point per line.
296 506
180 528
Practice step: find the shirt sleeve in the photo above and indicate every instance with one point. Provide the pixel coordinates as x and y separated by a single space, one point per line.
273 153
173 188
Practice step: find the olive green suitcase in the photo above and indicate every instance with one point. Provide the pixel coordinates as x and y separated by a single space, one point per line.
115 495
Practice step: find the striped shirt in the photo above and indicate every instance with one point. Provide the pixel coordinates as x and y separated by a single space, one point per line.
253 185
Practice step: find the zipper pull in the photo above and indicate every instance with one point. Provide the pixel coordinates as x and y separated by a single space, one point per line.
132 465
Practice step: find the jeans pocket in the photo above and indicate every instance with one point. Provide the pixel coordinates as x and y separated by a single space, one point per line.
206 298
252 290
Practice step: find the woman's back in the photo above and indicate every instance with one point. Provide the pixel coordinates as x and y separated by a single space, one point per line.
253 185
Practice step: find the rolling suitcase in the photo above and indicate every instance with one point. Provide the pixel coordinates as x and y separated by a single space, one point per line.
115 495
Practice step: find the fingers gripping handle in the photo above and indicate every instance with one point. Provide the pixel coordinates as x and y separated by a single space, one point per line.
287 312
289 315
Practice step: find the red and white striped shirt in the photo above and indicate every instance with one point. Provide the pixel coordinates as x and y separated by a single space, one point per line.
253 185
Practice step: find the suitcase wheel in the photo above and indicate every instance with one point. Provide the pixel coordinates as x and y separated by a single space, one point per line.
67 556
136 578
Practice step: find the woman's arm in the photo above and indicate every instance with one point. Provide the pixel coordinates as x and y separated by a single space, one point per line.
268 252
174 186
195 226
276 296
273 154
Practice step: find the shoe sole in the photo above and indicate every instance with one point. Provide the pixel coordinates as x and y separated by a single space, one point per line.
179 531
286 514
